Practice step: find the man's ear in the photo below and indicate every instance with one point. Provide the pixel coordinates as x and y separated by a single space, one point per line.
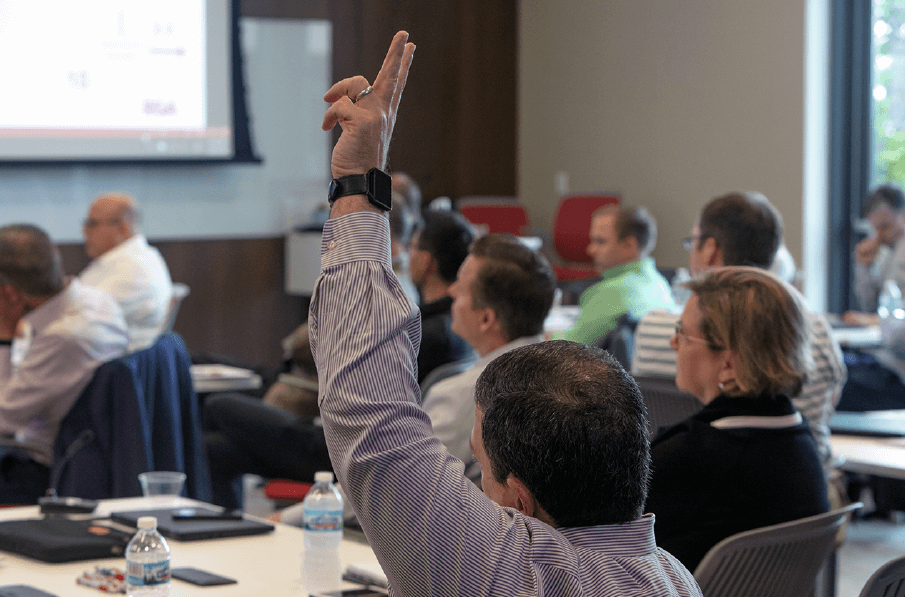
630 248
489 320
711 253
519 496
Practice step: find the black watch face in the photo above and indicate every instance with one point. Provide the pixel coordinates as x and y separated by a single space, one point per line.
381 191
331 192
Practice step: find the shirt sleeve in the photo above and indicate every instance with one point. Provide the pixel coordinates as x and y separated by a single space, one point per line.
400 479
867 288
51 375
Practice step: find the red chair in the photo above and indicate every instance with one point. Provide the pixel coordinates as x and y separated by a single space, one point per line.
284 491
497 214
571 227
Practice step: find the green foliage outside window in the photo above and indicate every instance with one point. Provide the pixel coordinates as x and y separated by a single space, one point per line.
889 91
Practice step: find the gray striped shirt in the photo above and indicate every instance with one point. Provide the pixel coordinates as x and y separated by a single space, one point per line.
432 530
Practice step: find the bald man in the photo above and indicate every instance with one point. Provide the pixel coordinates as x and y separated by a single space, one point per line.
125 266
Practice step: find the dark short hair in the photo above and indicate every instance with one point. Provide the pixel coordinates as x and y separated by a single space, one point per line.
29 261
446 235
567 421
637 222
745 226
888 194
516 282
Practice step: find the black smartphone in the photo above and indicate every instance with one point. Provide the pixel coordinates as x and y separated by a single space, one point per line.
199 577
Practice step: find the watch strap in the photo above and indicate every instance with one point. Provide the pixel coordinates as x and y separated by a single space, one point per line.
353 184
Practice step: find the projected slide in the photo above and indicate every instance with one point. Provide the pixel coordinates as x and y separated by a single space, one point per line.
114 78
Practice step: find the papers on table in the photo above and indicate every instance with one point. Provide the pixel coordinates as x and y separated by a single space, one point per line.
223 378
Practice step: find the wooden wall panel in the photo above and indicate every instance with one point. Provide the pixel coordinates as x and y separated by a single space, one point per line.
237 307
456 133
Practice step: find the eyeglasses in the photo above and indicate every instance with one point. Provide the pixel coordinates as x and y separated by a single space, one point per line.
92 223
688 242
681 332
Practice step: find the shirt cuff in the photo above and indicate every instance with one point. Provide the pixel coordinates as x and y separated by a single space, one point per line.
358 236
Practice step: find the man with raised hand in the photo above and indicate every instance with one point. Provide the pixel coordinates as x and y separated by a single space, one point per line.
559 429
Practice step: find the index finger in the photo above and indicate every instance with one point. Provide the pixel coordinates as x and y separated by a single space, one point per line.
387 78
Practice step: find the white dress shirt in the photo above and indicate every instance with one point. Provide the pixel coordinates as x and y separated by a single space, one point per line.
450 402
135 274
71 334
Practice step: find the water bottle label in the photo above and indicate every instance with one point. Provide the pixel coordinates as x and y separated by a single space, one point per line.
323 520
149 574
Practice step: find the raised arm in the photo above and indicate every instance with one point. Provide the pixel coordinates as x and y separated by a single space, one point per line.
367 123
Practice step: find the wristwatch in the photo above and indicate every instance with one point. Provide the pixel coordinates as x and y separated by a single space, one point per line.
376 184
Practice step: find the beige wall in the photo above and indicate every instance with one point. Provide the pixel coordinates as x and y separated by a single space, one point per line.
668 103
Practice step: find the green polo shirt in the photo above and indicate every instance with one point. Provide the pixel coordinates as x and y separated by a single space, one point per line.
635 288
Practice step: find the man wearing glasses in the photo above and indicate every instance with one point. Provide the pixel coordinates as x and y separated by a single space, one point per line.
127 267
745 229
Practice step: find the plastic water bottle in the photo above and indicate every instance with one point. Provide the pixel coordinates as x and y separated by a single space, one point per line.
889 303
323 508
147 562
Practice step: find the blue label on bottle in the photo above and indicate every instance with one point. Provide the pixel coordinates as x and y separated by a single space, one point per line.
149 574
323 520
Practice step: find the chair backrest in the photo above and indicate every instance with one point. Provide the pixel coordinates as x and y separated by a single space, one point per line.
163 380
620 341
572 224
444 371
143 415
780 560
110 415
888 581
498 214
666 404
180 291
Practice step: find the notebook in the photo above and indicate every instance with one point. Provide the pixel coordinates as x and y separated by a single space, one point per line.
193 530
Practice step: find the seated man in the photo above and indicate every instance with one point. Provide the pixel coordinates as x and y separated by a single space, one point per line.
73 329
881 257
745 229
501 297
127 267
437 251
559 430
621 242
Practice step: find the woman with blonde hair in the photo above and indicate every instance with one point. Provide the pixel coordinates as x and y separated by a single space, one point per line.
748 459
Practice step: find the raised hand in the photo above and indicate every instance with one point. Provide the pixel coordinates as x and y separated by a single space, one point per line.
866 250
368 123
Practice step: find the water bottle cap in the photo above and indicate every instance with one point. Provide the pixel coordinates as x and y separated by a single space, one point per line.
147 522
323 477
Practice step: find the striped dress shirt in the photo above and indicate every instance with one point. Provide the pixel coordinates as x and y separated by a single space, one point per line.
432 530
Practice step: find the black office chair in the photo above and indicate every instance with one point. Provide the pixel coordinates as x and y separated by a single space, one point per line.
887 581
444 371
620 341
666 404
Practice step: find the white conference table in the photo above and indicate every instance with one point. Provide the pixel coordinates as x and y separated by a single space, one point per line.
880 456
269 564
